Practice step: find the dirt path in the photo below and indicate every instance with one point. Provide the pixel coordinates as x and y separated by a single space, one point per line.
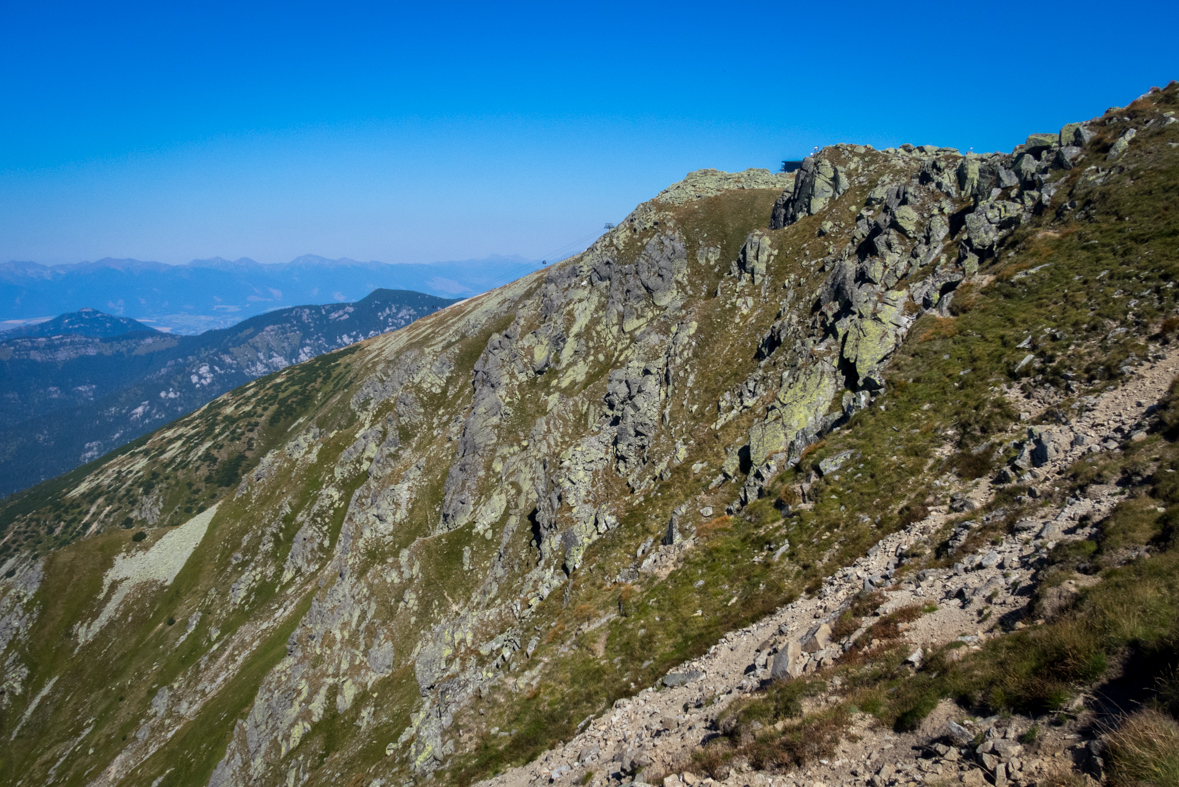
655 732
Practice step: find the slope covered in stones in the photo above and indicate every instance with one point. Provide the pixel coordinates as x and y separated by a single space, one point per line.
455 546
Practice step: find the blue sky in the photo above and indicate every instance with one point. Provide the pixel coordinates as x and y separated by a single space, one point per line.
422 132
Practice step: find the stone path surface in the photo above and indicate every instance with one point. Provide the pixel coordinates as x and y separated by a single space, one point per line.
652 735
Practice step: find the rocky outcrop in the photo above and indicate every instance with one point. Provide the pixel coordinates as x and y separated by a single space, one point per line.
710 182
17 613
818 182
492 372
461 523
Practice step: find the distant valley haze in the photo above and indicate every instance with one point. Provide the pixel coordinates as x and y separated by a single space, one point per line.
217 293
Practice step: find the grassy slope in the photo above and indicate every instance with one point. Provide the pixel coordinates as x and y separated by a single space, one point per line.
658 626
1098 305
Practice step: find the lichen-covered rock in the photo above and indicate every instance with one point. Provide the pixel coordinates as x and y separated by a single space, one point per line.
755 257
871 339
633 397
710 182
795 415
663 259
1121 144
492 374
818 182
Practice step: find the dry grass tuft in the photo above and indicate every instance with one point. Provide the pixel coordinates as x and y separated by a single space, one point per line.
714 526
1063 778
1144 750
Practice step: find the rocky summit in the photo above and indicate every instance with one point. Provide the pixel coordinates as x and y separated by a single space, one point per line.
860 474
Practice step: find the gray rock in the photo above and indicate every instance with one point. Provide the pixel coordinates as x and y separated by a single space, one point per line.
1066 156
958 734
672 679
380 658
906 220
754 257
788 663
819 639
1006 749
663 260
1076 135
1122 145
833 463
1039 142
817 183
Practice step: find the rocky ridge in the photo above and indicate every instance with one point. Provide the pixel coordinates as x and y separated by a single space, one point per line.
521 510
657 731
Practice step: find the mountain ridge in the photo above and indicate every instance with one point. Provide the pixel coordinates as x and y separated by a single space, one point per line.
67 399
202 295
84 322
881 431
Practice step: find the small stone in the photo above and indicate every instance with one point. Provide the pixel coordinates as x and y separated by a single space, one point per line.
974 778
1007 749
673 679
957 733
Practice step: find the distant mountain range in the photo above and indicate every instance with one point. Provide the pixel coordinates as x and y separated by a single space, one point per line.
85 383
218 293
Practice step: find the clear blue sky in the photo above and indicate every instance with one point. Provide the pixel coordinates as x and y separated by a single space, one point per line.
420 132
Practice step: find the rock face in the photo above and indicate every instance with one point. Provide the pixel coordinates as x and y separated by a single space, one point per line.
818 182
449 545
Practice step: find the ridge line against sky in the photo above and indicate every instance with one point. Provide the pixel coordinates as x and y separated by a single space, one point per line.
410 134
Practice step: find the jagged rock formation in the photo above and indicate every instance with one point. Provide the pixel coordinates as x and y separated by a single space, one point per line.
457 544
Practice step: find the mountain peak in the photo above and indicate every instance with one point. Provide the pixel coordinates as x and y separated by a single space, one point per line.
86 321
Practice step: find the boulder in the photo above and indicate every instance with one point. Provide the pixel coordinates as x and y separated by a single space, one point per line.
1121 145
1040 142
663 260
1075 134
958 734
1066 156
818 182
906 220
819 639
788 663
673 679
754 257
